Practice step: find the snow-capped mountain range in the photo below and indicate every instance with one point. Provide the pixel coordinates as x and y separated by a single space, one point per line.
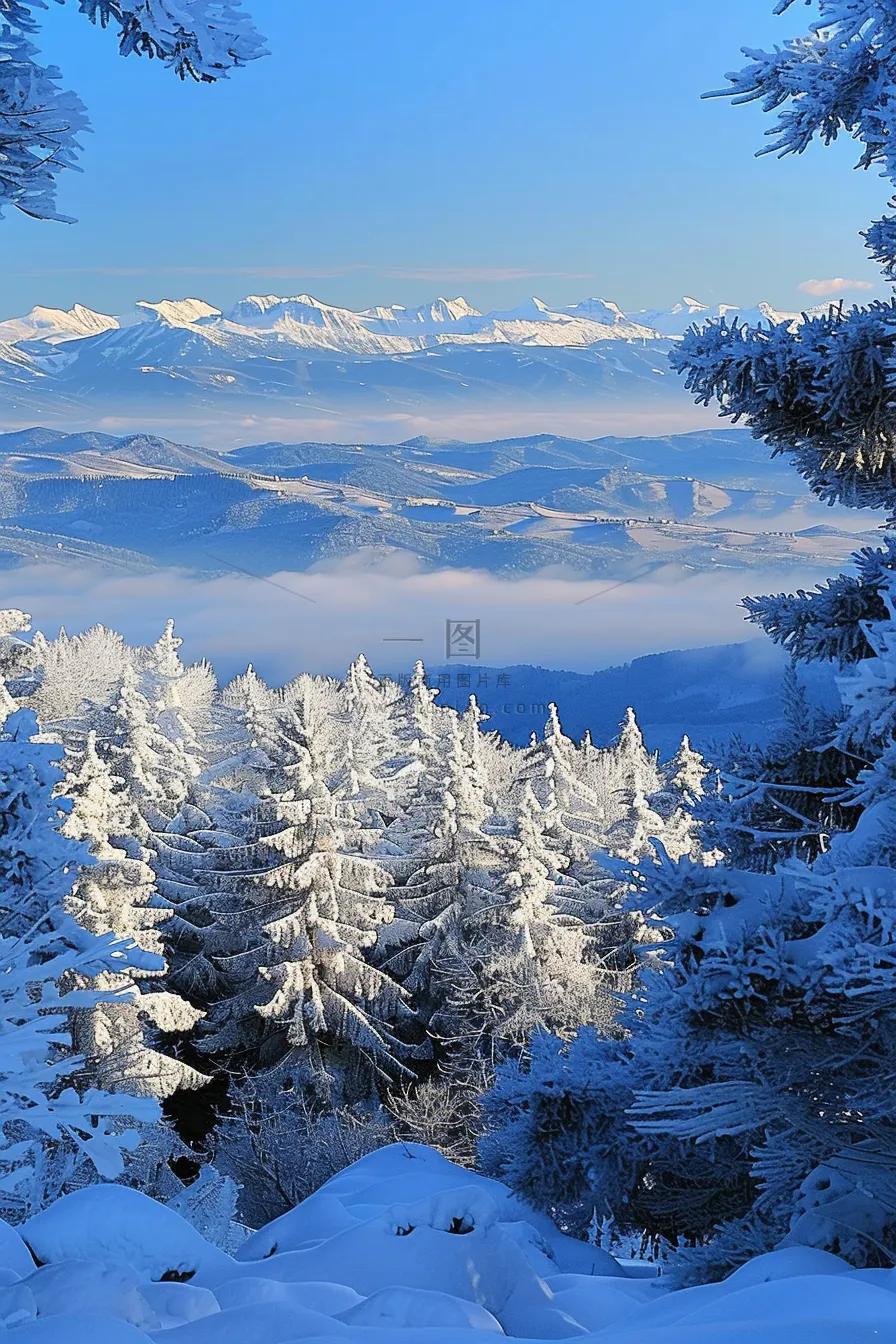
268 323
298 355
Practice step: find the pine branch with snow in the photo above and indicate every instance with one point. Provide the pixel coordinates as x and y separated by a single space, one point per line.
40 123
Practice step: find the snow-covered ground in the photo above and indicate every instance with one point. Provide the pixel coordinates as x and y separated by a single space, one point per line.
401 1246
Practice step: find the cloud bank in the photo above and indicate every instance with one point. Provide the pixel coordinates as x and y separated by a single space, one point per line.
825 289
396 619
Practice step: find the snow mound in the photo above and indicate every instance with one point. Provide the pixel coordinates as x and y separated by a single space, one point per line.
178 1303
404 1307
792 1262
115 1225
403 1247
66 1330
261 1323
331 1299
14 1254
86 1288
316 1218
823 1297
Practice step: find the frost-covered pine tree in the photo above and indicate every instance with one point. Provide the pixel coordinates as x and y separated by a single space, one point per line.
182 697
819 392
40 123
372 773
556 770
687 772
116 894
679 799
635 763
193 858
50 1130
419 725
783 798
531 961
37 861
305 992
156 769
77 679
457 864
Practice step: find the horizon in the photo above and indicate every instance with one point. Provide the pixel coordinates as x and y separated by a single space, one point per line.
311 298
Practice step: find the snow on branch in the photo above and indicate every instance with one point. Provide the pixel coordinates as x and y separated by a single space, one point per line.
199 39
40 122
839 79
821 394
39 125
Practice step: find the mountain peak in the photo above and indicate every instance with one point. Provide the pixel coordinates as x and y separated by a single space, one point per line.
55 325
175 312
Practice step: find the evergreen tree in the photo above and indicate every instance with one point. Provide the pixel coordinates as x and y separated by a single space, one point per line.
78 679
50 965
40 123
156 769
687 773
309 912
419 723
678 800
574 811
115 894
528 963
371 770
453 880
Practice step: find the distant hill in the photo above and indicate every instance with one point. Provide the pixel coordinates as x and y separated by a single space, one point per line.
712 694
605 508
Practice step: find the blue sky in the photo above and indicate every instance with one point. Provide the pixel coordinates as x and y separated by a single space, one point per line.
387 152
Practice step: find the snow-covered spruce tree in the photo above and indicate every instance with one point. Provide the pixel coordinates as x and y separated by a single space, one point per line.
78 678
458 861
419 723
192 858
530 963
560 1126
819 393
47 960
783 799
37 860
306 996
372 767
679 797
424 730
555 1130
156 769
121 1041
556 770
182 697
221 914
774 1028
40 123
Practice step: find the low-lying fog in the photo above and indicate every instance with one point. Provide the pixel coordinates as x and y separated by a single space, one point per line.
318 622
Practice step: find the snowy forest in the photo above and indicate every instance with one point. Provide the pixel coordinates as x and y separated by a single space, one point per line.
334 903
324 1000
